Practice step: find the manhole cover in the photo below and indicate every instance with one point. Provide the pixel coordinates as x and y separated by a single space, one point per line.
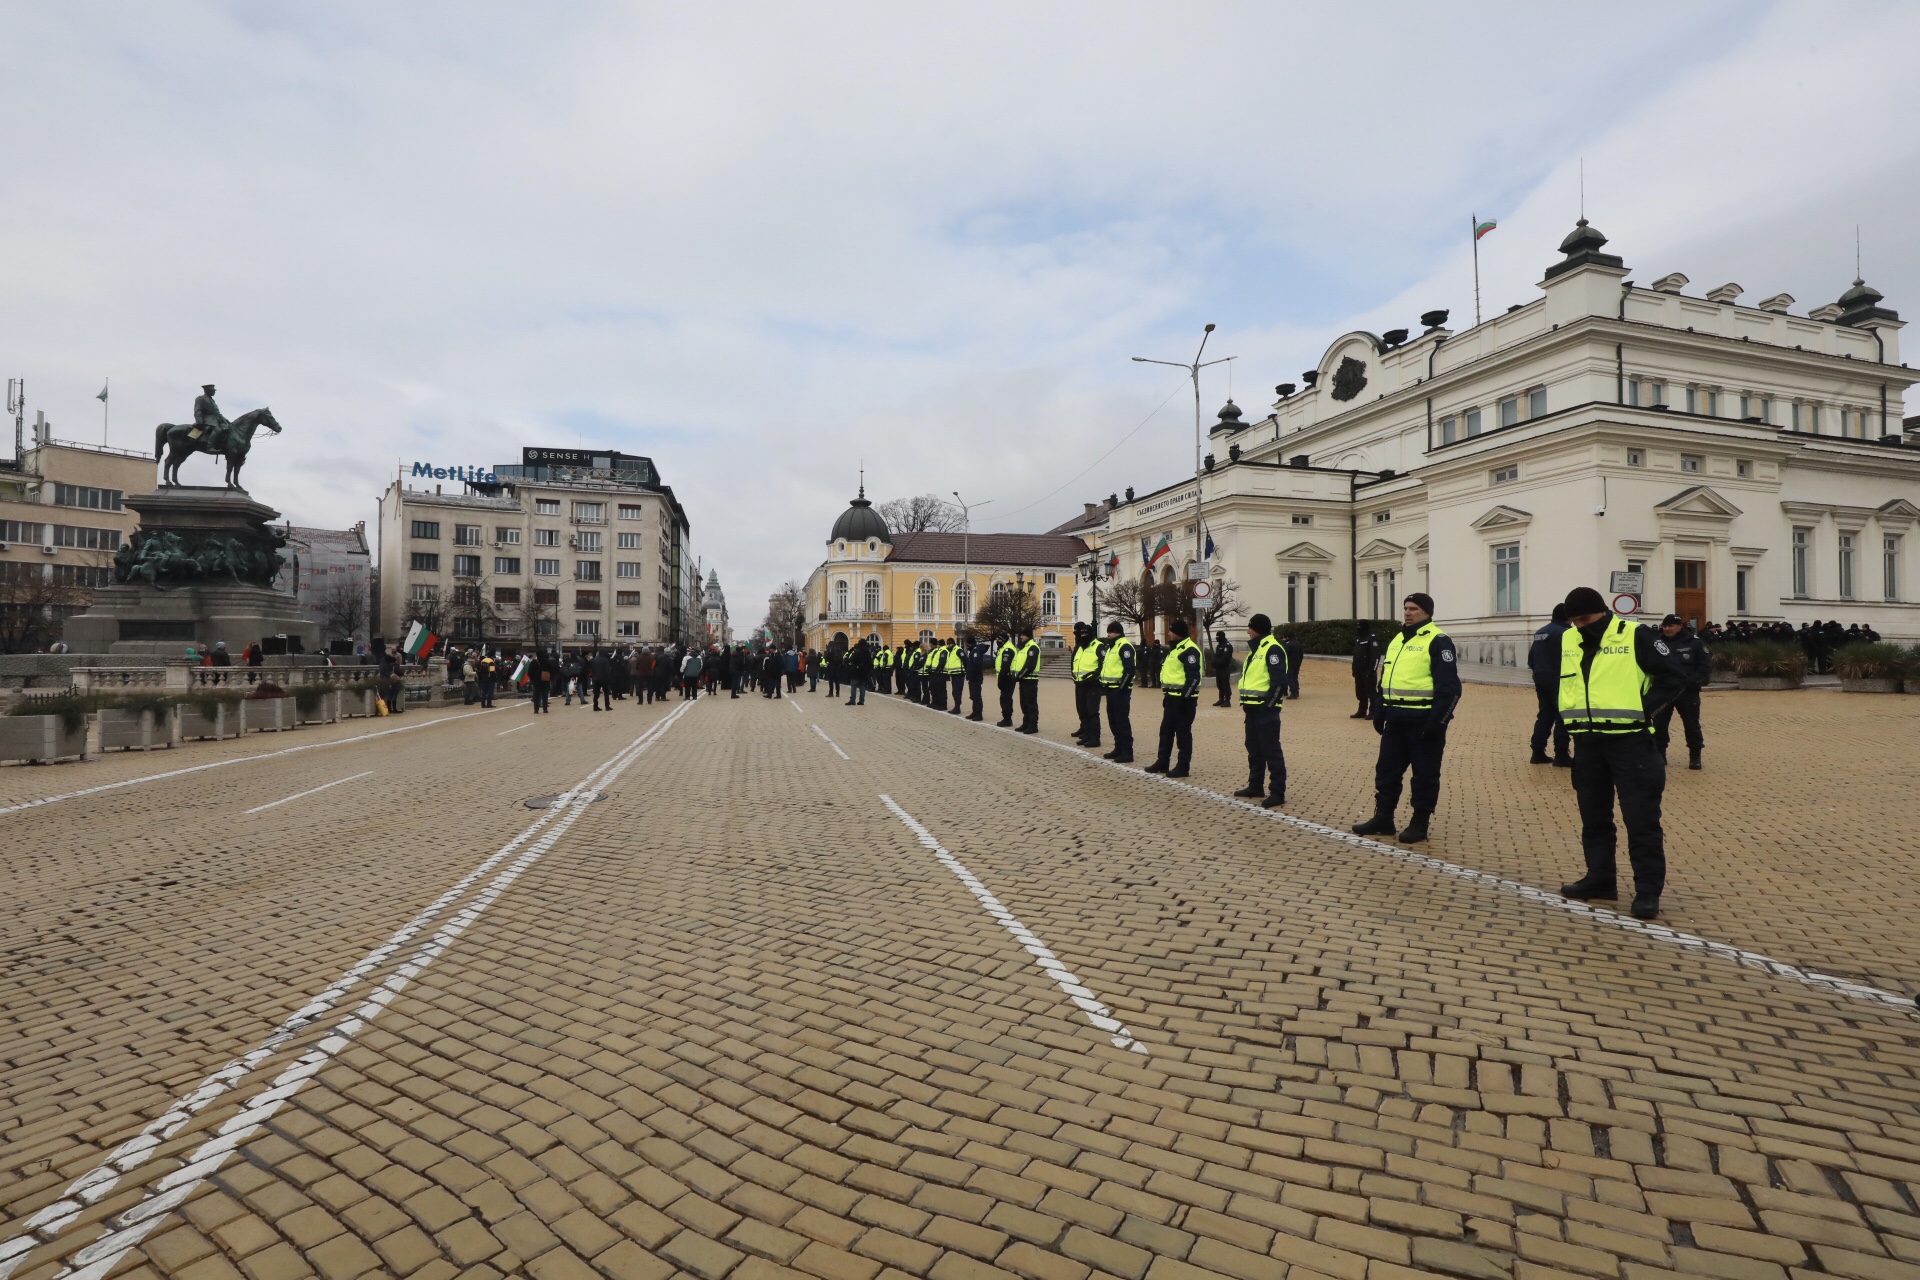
547 802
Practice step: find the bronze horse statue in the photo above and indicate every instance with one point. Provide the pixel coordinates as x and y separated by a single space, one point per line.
178 442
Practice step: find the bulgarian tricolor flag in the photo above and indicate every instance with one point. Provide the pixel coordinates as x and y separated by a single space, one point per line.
520 670
1481 228
1165 545
420 641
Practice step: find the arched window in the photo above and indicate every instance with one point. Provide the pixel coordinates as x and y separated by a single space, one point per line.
925 602
1049 603
997 590
871 593
840 596
963 599
1166 575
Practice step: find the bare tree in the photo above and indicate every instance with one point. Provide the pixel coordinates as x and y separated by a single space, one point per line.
1008 610
342 607
924 514
1124 600
35 601
786 615
540 616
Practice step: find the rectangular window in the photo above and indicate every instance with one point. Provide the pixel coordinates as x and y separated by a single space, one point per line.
546 627
1313 597
66 535
1713 404
425 562
1293 597
1382 517
631 542
1766 409
19 531
1690 462
466 566
546 568
1846 566
1741 598
1743 468
1693 399
1506 578
1657 393
586 570
586 542
1509 411
627 627
631 511
465 595
586 599
546 595
1373 595
546 537
1302 520
509 536
1537 403
1793 420
586 628
1813 417
466 628
627 599
77 495
507 564
1505 475
1636 457
506 595
81 575
1890 568
1802 551
466 535
1633 391
1745 410
546 506
1473 423
1449 430
426 528
1052 578
425 593
628 569
590 512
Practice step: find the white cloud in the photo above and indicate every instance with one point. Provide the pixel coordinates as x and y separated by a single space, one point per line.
762 243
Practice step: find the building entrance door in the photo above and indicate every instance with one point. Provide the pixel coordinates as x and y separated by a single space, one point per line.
1690 591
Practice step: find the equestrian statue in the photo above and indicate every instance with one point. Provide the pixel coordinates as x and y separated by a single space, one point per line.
209 432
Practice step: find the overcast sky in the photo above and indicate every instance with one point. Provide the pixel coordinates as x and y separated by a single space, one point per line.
761 243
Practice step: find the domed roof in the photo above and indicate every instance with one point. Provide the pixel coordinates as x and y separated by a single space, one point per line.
860 522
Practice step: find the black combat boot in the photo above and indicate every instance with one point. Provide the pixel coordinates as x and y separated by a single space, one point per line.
1589 886
1416 830
1252 791
1693 758
1380 824
1645 906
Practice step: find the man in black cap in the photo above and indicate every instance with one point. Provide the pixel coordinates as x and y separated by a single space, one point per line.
1263 685
1696 664
1086 684
1180 687
1366 657
1419 688
1543 660
1222 669
1615 677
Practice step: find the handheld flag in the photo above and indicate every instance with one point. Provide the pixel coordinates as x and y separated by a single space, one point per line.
420 641
1481 228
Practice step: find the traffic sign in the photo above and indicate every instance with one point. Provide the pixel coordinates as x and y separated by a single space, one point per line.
1202 596
1626 603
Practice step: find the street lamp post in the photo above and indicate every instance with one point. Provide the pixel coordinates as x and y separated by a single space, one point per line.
1193 368
966 547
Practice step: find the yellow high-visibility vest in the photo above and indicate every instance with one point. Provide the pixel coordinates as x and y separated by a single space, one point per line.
1256 688
1406 674
1611 695
1113 672
1173 672
1086 661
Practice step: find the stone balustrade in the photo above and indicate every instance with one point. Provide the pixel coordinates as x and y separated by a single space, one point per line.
183 677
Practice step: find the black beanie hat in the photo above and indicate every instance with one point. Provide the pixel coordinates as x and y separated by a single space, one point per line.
1261 623
1421 599
1584 600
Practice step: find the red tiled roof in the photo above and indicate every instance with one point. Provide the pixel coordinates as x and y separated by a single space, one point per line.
1050 550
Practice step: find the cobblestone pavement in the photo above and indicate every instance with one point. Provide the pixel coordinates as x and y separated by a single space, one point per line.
867 994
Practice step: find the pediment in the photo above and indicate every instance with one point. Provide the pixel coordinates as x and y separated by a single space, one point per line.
1699 501
1419 547
1899 509
1501 517
1304 551
1381 547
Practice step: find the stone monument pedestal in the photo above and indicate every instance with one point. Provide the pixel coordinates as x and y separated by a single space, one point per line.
204 595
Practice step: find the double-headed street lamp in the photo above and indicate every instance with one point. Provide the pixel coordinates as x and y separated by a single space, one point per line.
966 547
1193 368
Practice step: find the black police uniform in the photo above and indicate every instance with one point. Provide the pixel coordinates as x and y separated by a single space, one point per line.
1543 660
1177 709
1416 737
1690 656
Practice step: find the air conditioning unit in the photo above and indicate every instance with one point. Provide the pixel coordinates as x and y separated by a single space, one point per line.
6 546
49 549
573 540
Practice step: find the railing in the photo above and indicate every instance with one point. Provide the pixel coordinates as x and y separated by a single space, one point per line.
180 677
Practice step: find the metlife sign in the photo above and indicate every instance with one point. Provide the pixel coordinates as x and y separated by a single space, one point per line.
468 475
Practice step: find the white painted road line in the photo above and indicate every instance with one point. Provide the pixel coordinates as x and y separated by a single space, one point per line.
517 728
1598 915
830 742
1096 1013
97 1183
301 795
221 764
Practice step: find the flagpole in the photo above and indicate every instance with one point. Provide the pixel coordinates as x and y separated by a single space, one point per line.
1473 230
106 408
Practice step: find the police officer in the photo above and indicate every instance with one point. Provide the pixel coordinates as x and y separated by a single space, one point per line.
1615 677
1366 658
1003 656
1117 668
1223 669
1263 684
1180 699
934 675
954 671
882 669
1690 656
1543 660
1026 667
979 656
1086 685
1419 687
910 659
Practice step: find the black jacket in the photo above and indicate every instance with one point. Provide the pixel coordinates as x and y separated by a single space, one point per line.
1543 655
1690 656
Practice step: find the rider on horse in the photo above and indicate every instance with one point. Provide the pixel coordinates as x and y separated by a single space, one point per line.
207 418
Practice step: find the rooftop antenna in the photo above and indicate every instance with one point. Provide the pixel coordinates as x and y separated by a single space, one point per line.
1858 278
863 477
1583 191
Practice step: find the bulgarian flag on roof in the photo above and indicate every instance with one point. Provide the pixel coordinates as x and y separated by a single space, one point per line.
1160 549
1481 228
420 641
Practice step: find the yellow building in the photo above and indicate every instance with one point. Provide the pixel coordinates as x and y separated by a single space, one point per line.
907 586
63 515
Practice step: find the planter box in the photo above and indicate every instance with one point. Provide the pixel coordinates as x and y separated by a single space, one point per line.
1876 685
40 738
135 730
224 724
1910 685
326 712
267 715
1768 683
356 702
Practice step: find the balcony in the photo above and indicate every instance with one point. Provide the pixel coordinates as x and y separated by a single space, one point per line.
854 615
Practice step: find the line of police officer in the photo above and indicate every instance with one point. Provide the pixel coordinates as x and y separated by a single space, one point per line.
930 672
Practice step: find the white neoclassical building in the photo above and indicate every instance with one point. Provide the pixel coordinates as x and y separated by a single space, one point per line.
1745 460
